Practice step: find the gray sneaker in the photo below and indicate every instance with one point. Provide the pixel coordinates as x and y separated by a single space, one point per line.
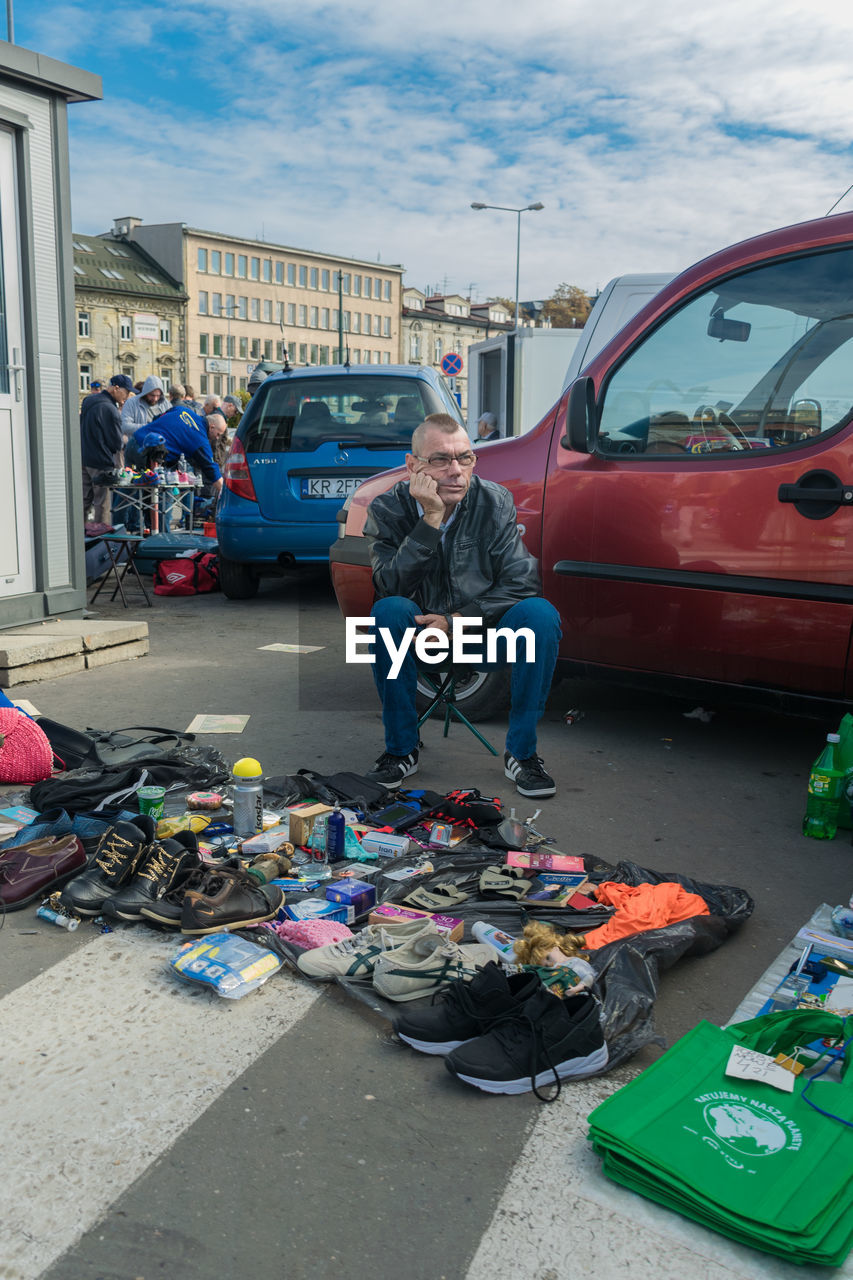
356 957
425 963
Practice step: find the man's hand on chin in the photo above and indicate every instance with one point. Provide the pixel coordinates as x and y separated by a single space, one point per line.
424 490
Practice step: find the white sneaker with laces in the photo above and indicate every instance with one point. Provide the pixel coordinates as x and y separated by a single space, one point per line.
355 957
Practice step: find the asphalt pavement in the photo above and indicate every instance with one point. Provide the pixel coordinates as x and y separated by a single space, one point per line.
155 1131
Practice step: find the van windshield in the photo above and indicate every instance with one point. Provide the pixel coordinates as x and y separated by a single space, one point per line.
298 415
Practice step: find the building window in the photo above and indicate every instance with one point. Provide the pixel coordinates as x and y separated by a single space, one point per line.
217 344
291 351
356 355
377 325
125 329
414 346
279 273
303 315
256 348
438 351
268 310
268 348
165 331
324 284
303 278
202 385
356 286
203 341
267 270
323 355
83 324
216 262
202 259
242 262
166 378
386 326
279 313
356 322
347 319
216 304
386 357
117 253
291 273
387 290
377 288
314 353
128 371
315 279
81 247
230 305
256 268
368 286
244 348
78 271
303 353
291 313
217 384
229 264
347 281
242 308
231 347
256 308
336 316
324 318
202 302
315 320
110 273
279 352
244 384
144 276
85 377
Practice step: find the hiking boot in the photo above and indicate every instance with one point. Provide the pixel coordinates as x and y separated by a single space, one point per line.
427 961
229 899
542 1041
464 1010
529 776
166 863
33 870
167 908
116 859
356 957
389 771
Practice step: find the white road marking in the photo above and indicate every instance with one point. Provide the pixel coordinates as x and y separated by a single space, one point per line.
106 1058
559 1217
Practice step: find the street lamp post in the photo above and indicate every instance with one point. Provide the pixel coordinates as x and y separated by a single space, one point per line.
518 212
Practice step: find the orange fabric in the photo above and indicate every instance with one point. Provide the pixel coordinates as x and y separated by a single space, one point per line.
641 907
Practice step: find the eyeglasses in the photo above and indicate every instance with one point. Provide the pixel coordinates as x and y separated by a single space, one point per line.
441 461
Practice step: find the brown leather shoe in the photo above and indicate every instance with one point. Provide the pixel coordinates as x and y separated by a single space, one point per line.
33 870
228 899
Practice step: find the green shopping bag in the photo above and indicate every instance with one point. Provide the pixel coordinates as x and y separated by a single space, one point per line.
747 1153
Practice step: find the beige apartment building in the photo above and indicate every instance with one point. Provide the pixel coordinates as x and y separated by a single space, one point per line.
249 300
436 325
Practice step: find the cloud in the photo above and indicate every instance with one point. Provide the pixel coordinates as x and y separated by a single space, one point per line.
653 134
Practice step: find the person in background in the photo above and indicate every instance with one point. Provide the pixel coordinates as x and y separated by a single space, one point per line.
487 428
217 434
212 404
190 401
232 409
100 444
185 432
177 391
149 404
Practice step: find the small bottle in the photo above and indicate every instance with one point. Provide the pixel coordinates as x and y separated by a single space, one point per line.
502 942
336 835
247 793
826 789
318 868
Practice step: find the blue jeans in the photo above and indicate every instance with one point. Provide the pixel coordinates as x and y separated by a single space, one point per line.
529 684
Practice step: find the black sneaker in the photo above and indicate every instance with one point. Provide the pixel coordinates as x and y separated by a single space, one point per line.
464 1010
529 776
166 863
119 852
389 771
542 1041
229 899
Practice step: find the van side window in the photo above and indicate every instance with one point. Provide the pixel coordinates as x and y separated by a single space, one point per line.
760 361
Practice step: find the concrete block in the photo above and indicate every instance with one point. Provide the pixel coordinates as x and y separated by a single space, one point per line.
117 653
47 670
93 633
23 650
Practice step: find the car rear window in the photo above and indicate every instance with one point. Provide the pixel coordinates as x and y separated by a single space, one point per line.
299 414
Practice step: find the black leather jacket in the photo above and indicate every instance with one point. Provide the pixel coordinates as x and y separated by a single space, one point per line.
480 568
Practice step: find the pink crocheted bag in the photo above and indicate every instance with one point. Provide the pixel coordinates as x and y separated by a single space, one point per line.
25 752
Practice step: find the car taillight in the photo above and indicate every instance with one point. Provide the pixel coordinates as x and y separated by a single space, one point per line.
236 474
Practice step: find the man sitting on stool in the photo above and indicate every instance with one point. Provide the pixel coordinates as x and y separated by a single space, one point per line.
444 545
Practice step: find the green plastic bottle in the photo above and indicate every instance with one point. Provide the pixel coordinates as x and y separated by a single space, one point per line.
826 791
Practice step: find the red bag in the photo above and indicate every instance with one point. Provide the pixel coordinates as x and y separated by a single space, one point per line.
189 576
25 753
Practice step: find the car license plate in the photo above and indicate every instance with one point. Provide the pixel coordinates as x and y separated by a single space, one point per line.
330 486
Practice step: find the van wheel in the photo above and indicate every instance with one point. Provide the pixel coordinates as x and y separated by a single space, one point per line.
238 581
480 695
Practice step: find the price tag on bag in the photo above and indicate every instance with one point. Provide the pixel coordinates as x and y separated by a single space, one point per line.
749 1064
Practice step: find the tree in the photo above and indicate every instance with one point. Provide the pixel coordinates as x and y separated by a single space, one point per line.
568 307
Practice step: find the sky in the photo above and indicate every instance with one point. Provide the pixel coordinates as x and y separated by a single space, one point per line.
653 133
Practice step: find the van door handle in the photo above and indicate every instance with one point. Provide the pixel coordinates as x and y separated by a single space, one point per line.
817 494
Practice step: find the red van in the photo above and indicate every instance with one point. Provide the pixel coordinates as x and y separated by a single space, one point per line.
690 496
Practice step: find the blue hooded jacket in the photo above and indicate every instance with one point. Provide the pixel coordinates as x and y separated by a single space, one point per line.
185 432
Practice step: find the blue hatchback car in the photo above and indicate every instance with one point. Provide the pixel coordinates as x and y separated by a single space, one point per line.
306 441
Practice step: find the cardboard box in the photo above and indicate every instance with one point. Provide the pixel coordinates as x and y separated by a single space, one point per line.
448 925
355 895
266 842
301 821
540 860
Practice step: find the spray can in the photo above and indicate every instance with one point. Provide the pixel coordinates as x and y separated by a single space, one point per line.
57 917
336 835
248 798
502 942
